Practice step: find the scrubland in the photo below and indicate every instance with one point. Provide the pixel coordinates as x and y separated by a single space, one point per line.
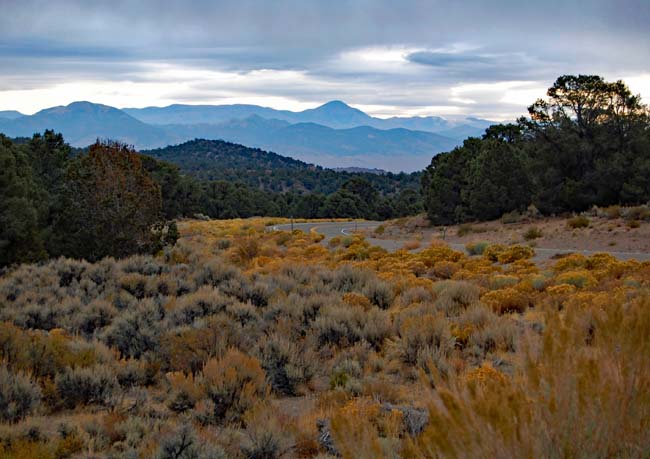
243 343
601 229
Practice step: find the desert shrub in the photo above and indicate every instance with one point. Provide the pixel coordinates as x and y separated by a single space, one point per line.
182 443
430 357
223 244
70 271
257 293
142 264
233 383
418 335
266 435
196 305
633 224
287 365
493 334
454 296
22 448
216 272
379 293
347 241
123 301
85 386
94 317
70 442
636 213
579 278
578 222
135 332
132 372
548 393
506 300
515 253
18 395
185 392
539 282
338 325
37 317
612 212
244 313
445 269
500 281
135 284
345 376
532 233
246 248
492 251
335 241
350 279
415 295
439 252
476 248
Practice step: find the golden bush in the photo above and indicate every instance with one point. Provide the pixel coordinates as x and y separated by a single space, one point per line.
234 384
506 300
515 253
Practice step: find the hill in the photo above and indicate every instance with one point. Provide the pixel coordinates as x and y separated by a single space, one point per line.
10 114
394 149
219 160
83 122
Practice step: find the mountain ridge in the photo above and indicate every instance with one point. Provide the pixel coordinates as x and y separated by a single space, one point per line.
10 114
395 149
335 113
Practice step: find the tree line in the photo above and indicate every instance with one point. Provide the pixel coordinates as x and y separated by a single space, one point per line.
109 200
586 144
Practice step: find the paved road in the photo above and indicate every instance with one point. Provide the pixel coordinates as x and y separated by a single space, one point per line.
332 229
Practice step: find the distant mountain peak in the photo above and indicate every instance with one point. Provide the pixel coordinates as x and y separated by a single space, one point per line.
335 104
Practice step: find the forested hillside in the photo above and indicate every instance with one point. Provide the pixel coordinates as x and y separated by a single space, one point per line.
219 160
110 200
587 144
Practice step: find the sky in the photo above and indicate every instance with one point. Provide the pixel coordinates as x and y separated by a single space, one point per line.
387 57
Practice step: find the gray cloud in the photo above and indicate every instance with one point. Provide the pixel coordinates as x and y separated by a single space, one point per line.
445 43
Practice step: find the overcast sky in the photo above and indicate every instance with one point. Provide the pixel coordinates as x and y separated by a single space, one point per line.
398 57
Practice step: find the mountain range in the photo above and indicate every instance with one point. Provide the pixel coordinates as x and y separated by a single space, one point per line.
335 114
332 135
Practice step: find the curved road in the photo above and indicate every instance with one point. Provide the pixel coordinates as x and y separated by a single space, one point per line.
332 229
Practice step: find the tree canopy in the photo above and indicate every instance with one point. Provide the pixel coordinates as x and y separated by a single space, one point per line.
586 144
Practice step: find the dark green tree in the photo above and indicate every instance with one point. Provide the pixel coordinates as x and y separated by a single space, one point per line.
497 181
111 204
19 232
444 181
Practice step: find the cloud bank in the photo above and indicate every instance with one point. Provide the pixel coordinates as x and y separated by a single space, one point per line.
412 57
